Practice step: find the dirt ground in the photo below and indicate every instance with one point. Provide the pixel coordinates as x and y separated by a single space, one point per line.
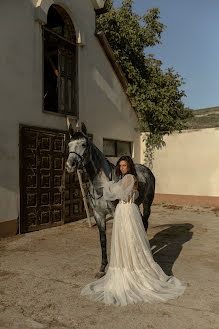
42 273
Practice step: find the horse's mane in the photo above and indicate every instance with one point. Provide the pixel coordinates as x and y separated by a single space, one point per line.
99 161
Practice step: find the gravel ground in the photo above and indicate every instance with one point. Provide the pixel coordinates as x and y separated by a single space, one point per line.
42 273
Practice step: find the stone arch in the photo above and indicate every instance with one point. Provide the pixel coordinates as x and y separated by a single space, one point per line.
41 12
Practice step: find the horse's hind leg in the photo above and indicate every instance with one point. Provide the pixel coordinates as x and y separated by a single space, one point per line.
146 214
101 223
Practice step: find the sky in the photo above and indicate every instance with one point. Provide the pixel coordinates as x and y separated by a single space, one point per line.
190 45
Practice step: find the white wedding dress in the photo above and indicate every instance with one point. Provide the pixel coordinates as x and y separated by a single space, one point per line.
133 275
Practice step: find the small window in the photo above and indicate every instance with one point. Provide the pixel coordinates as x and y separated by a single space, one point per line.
123 148
109 147
114 148
60 63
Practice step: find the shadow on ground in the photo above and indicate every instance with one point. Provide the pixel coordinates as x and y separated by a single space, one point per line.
167 244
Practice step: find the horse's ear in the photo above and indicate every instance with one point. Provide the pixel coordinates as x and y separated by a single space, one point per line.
83 128
71 130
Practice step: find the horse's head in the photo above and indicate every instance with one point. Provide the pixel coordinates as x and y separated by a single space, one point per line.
78 148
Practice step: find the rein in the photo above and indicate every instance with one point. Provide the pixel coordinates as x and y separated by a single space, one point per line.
91 196
84 170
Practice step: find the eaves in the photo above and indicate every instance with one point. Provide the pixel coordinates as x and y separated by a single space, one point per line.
117 69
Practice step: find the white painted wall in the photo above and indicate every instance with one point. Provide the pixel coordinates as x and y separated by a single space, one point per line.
188 164
102 104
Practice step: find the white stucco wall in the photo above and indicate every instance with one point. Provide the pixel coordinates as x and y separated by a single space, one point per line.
188 164
102 104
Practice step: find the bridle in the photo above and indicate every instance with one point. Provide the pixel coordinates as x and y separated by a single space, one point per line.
84 170
78 155
82 158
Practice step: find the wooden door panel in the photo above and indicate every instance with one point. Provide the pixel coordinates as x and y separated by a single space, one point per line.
44 201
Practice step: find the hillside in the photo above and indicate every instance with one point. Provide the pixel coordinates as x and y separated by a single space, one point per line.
204 118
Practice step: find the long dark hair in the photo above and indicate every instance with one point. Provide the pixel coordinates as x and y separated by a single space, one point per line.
130 166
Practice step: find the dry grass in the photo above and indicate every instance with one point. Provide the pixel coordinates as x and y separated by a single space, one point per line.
216 211
172 206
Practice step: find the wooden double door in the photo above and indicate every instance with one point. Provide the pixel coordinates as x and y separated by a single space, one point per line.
49 196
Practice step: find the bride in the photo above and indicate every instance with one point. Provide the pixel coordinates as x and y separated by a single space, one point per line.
133 275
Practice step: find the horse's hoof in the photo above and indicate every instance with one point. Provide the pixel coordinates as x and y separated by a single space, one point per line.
99 275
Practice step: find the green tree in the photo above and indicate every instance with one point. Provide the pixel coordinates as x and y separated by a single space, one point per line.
155 94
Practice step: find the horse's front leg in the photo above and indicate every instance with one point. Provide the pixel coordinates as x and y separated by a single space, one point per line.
101 223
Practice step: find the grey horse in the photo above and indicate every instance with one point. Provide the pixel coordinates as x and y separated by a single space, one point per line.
82 152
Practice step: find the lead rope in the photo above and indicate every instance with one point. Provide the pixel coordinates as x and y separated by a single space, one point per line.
79 179
84 198
84 195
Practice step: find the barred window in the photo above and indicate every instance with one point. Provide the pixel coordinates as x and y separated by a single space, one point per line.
60 63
